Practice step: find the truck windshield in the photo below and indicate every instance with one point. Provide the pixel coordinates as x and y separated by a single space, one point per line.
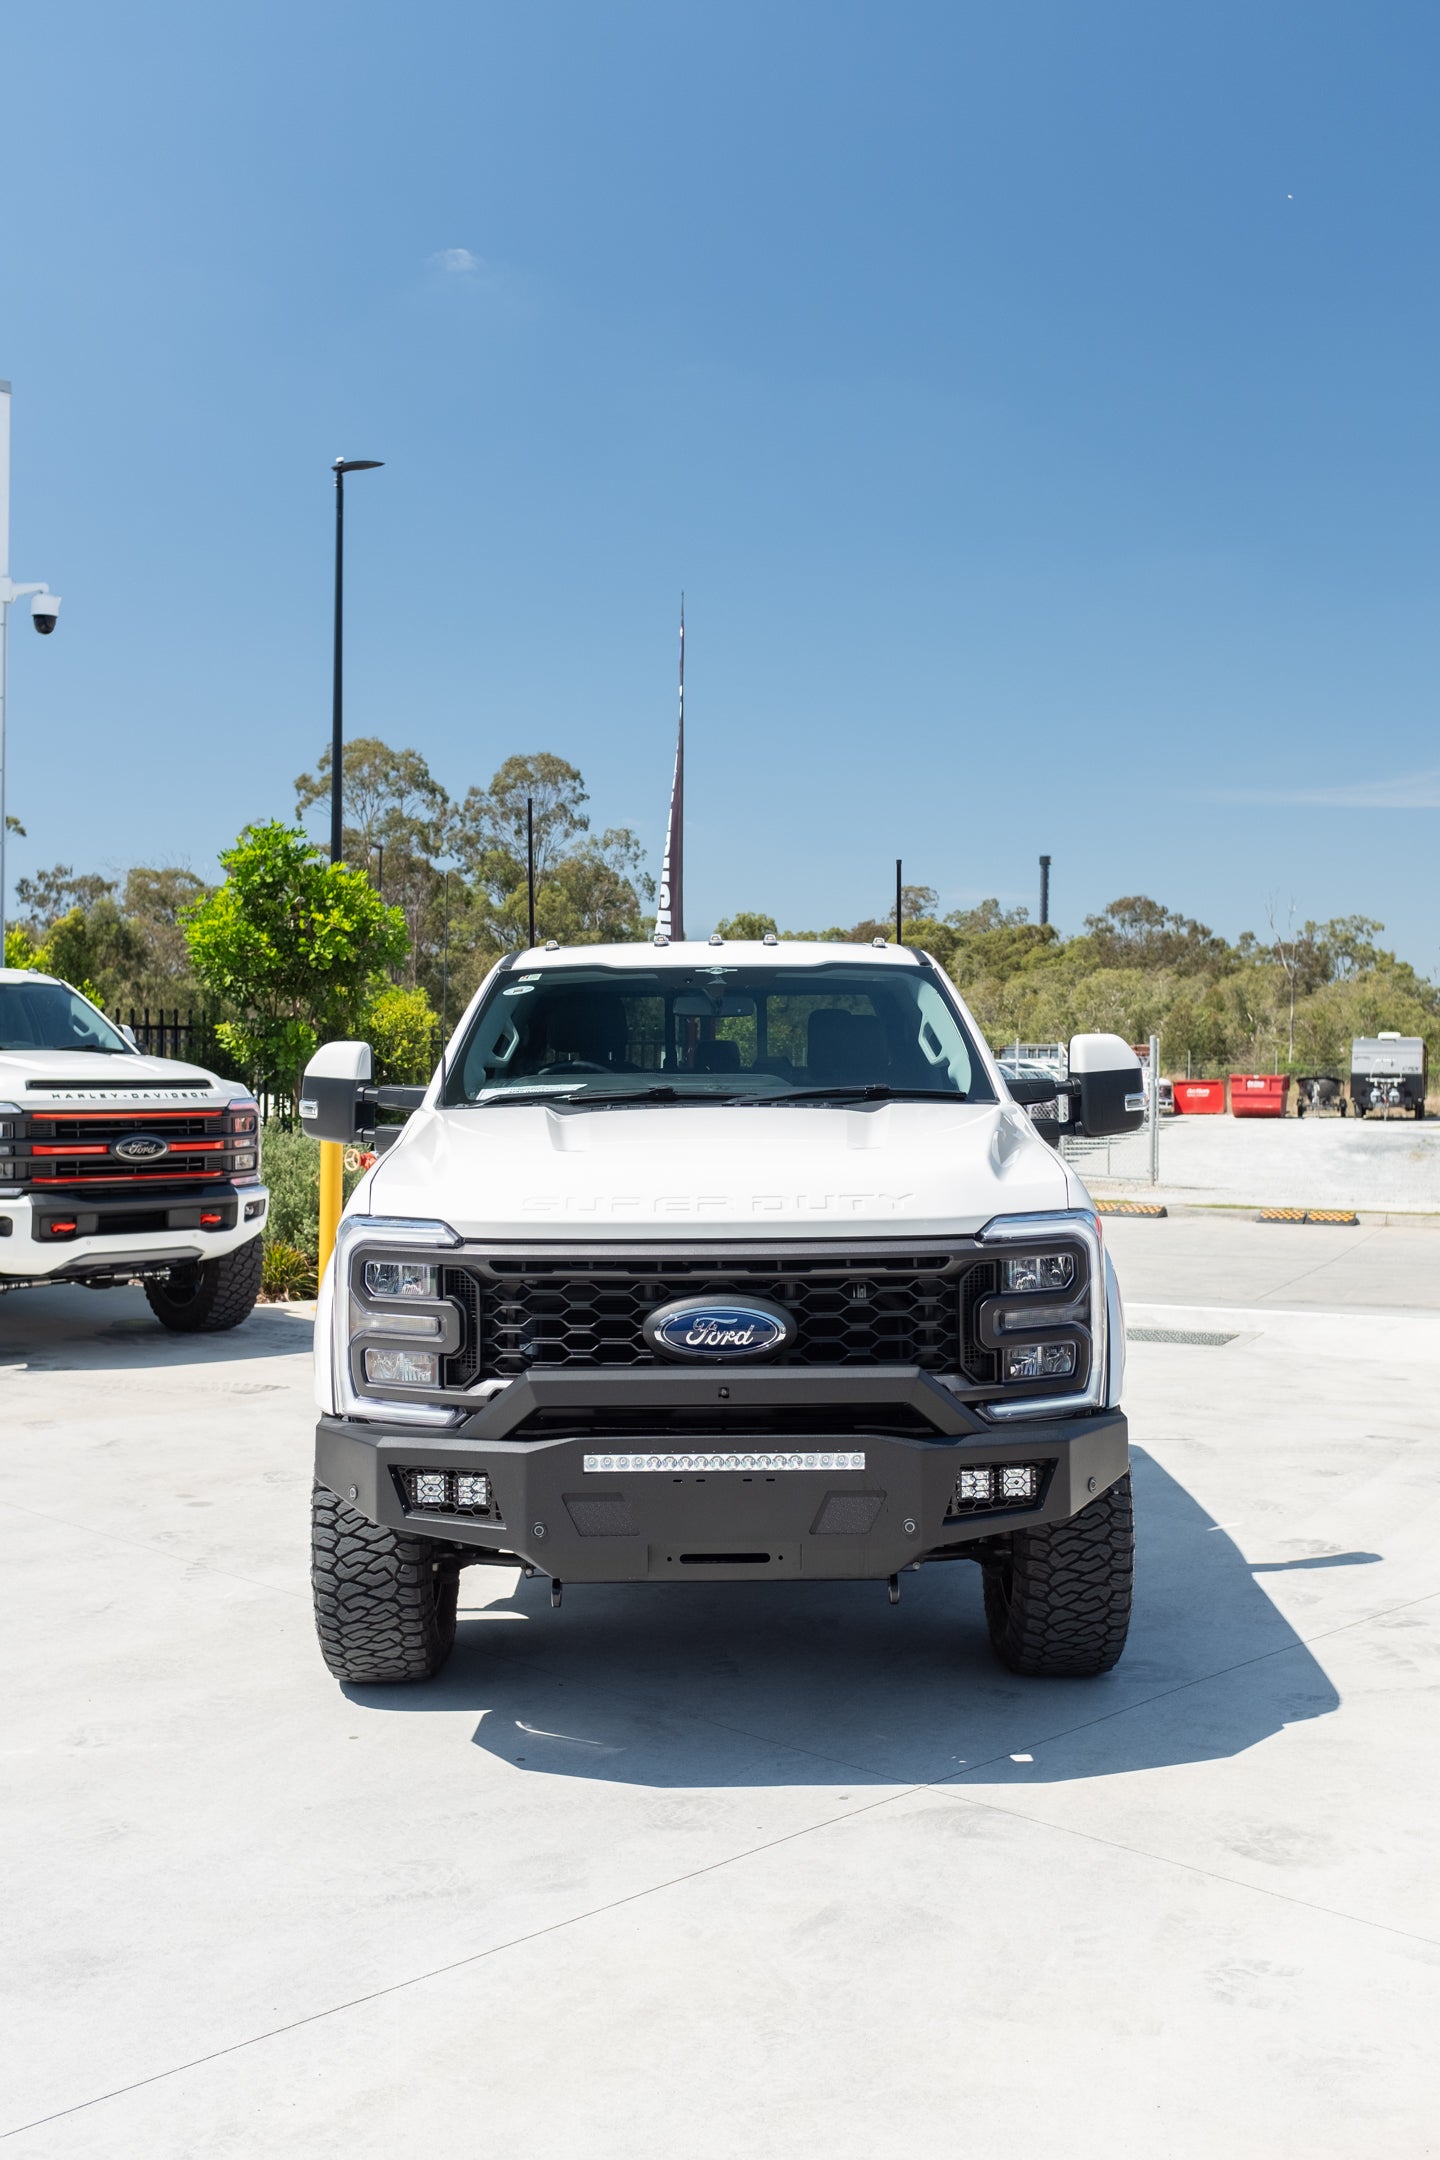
48 1016
733 1033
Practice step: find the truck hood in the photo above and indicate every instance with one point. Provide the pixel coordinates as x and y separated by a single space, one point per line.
894 1169
91 1071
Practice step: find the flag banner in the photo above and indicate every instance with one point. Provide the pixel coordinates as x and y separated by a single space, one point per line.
670 912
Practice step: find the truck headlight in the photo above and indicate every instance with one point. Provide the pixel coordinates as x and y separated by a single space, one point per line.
1040 1271
402 1368
390 1330
400 1279
1040 1361
1081 1354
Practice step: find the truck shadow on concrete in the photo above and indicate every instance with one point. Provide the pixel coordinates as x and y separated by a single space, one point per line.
70 1329
826 1684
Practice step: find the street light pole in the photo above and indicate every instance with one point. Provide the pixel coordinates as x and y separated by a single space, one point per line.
44 607
337 712
332 1155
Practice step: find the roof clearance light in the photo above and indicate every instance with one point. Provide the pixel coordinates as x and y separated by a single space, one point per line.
1040 1271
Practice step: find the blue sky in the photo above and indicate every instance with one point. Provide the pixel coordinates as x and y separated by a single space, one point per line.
1037 403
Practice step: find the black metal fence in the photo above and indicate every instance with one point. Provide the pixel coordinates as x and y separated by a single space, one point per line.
164 1033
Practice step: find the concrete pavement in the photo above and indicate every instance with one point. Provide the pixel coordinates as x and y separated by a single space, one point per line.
764 1870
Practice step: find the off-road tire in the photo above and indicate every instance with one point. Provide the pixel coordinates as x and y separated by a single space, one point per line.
211 1295
1059 1603
384 1603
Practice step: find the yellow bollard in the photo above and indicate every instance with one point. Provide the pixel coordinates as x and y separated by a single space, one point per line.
332 1196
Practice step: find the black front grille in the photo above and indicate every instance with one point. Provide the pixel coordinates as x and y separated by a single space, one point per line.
205 1125
982 1365
111 1170
537 1314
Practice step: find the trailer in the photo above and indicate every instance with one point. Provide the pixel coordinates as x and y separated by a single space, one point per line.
1388 1071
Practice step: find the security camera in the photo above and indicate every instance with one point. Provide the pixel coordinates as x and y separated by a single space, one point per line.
43 610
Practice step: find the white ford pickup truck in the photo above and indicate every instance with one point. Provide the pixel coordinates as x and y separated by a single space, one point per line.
716 1262
118 1168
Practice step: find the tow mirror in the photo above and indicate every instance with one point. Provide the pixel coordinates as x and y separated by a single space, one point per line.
336 1079
1108 1086
1030 1088
338 1100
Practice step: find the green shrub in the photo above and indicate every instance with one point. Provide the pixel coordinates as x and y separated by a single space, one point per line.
286 1272
290 1166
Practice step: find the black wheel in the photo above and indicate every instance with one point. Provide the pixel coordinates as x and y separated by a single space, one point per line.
384 1603
1059 1603
210 1295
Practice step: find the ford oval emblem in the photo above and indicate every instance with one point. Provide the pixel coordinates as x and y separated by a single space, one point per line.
141 1147
719 1328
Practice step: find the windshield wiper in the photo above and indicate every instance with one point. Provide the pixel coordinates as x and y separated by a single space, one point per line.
597 1099
872 1091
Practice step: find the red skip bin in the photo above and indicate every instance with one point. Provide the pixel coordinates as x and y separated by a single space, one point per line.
1259 1094
1200 1098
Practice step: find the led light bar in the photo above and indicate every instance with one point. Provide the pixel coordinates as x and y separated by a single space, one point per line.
679 1464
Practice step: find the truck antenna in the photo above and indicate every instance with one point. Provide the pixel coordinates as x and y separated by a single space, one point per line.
530 859
899 905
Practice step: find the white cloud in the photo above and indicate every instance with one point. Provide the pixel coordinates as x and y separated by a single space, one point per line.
457 260
1412 791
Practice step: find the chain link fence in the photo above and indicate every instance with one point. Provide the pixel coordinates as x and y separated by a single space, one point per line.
1128 1158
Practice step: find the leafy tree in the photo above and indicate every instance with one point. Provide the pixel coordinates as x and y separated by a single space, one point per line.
21 950
294 945
747 926
1137 932
53 893
489 836
401 1028
95 948
388 798
986 915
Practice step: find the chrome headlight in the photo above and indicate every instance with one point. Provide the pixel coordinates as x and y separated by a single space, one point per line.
1049 1321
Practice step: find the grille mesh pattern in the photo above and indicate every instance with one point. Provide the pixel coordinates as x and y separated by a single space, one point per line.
871 1310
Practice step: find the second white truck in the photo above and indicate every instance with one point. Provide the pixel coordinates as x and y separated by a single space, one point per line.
118 1168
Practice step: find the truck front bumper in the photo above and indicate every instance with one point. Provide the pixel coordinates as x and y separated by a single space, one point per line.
82 1237
694 1506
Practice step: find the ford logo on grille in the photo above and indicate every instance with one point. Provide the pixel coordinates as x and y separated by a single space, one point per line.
717 1328
141 1147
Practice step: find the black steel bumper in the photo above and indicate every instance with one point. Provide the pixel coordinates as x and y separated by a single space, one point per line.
689 1522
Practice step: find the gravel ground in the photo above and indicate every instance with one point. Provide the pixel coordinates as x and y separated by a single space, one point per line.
1386 1167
